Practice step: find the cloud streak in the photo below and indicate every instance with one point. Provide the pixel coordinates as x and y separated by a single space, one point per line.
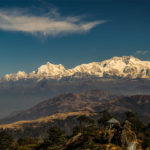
51 24
142 52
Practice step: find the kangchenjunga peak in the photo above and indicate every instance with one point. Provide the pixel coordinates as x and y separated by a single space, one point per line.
121 67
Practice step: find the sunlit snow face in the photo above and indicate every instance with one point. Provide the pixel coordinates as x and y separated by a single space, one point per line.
126 66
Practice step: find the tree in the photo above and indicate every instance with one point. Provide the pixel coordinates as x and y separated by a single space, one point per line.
102 121
84 121
76 130
6 141
26 141
136 124
55 137
146 140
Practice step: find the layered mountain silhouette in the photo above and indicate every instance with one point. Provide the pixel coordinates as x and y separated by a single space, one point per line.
90 101
125 75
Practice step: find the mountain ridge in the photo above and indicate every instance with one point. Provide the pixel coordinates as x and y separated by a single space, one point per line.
92 101
122 67
22 91
68 102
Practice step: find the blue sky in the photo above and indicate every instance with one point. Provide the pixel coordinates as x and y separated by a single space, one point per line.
71 32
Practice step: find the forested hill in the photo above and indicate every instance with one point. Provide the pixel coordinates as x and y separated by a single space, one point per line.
92 101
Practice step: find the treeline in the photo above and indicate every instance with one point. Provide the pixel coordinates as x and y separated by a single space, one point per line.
89 134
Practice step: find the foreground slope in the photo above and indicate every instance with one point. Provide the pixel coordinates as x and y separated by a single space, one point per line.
43 120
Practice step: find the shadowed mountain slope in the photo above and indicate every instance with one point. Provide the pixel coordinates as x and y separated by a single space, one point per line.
92 101
69 102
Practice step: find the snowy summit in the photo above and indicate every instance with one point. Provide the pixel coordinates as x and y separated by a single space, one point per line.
121 67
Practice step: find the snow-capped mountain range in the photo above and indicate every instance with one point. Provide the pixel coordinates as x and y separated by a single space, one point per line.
122 67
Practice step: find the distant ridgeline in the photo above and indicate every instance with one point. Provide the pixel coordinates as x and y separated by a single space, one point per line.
121 67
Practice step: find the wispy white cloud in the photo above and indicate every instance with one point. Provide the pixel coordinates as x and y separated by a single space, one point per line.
142 52
51 24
